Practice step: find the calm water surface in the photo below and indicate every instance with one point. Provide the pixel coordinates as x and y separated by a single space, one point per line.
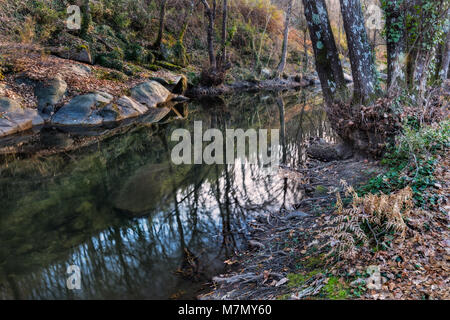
138 226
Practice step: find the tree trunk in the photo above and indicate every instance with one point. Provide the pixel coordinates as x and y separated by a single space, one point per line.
282 63
444 72
396 45
224 31
328 64
360 52
305 52
210 32
162 14
186 22
87 19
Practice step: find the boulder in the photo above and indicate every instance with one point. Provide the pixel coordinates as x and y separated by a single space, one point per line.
14 118
49 94
79 69
125 108
80 54
327 152
162 81
150 94
85 110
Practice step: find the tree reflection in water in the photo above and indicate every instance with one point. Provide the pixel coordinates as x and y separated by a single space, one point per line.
137 225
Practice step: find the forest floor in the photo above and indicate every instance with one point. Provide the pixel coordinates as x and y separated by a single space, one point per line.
286 258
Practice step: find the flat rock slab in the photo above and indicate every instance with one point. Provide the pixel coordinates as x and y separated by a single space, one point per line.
150 94
83 110
124 108
14 118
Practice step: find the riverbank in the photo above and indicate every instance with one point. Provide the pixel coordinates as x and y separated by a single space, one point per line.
43 91
293 254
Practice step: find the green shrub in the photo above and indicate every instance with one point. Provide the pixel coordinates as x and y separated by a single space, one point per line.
108 62
412 162
134 52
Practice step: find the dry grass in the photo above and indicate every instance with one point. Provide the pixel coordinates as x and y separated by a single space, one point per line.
368 218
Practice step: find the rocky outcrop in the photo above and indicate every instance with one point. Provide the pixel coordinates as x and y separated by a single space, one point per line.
80 54
49 94
98 108
14 118
88 110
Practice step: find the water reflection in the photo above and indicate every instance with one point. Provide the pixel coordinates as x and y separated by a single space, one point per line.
137 225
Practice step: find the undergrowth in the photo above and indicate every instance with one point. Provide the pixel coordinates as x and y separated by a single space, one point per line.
411 162
379 211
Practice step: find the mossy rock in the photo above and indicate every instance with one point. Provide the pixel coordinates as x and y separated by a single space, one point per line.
112 75
137 53
153 67
108 62
168 65
180 54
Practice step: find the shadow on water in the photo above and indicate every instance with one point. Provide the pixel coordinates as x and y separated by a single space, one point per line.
137 225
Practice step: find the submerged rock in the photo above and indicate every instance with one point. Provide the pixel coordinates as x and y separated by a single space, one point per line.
150 94
14 118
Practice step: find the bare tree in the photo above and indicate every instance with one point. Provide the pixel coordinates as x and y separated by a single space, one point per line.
282 63
162 14
87 18
224 30
185 25
210 13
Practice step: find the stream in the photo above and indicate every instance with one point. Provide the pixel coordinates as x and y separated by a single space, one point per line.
134 224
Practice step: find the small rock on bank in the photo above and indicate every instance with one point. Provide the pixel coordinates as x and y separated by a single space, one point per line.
14 118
